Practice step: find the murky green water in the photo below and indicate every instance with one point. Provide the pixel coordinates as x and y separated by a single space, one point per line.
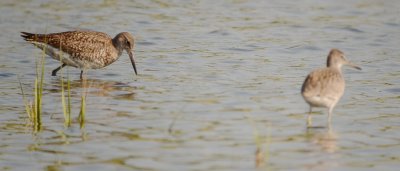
212 75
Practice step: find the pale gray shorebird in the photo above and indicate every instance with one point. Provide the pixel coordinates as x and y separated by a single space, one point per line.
324 87
83 49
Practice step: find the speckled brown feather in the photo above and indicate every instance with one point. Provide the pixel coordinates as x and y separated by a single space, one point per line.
81 45
83 49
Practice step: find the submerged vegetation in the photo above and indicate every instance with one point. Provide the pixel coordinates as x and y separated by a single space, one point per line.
262 145
65 103
83 103
34 107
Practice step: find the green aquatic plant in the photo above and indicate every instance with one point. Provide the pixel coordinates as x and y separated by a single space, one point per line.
83 103
262 145
82 112
28 105
34 108
65 103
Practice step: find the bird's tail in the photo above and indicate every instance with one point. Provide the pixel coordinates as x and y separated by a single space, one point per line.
33 37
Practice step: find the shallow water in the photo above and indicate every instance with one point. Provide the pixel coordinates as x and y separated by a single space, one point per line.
212 77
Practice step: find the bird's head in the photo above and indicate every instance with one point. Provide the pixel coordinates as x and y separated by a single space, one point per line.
336 58
125 41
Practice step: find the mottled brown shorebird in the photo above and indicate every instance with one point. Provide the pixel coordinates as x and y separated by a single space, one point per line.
83 49
324 87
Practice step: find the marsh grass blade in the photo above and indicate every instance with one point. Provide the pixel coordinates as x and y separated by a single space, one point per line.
65 103
82 112
39 80
262 145
28 106
34 109
83 103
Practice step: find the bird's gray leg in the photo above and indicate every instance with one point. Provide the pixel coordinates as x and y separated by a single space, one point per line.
330 116
309 119
54 72
81 74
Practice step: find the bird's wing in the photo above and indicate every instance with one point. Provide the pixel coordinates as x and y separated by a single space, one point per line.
75 43
323 82
312 85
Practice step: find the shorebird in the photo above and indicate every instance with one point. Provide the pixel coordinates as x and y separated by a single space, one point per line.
324 87
83 49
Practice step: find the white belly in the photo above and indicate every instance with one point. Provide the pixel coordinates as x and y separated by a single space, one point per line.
320 101
66 58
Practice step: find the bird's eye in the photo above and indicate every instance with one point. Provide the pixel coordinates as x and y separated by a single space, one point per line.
128 43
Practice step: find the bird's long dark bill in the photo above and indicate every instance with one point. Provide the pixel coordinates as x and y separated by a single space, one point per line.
132 57
353 66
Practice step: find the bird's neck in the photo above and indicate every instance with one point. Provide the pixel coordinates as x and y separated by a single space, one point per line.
117 46
336 67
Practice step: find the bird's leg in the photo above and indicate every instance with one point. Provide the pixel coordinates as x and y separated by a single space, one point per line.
83 74
309 119
54 72
329 116
329 126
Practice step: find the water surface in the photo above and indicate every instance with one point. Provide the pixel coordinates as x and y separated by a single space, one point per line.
212 77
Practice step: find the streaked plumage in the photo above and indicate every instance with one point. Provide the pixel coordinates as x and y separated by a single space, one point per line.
324 87
83 49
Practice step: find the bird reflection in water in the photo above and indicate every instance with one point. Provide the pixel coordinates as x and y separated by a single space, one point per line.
325 143
326 139
99 88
